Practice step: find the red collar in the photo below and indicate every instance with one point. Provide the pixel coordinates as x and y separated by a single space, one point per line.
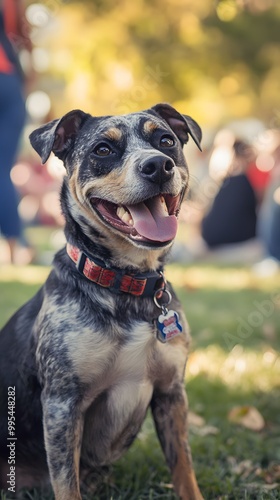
140 285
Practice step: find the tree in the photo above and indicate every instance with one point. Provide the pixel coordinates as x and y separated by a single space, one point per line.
213 60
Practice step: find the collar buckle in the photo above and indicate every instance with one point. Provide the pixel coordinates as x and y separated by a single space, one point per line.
154 281
80 264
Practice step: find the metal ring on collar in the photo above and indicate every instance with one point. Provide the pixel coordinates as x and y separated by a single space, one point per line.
164 304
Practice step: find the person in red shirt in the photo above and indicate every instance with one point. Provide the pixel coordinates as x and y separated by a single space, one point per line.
12 113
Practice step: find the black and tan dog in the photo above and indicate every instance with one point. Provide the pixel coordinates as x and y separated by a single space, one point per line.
102 339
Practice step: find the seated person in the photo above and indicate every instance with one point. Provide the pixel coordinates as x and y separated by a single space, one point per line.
232 216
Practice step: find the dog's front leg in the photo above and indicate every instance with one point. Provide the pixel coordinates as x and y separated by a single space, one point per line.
63 428
170 415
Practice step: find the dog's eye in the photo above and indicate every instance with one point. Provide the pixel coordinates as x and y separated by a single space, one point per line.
102 150
167 141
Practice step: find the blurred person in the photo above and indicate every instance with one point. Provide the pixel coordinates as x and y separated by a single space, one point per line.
232 215
12 114
268 225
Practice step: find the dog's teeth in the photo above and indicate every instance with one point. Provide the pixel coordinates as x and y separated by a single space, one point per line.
120 212
127 218
124 216
162 200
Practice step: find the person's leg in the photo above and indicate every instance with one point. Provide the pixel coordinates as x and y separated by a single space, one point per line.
273 242
12 116
264 222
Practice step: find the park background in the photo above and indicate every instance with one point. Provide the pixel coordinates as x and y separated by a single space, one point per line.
217 61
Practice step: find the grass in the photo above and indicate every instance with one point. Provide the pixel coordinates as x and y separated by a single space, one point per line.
235 322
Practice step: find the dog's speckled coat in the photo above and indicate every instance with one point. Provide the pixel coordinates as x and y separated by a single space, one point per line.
85 361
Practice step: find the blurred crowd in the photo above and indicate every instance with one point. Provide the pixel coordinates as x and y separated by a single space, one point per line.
235 197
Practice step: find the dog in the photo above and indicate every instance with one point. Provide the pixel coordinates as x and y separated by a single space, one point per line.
105 337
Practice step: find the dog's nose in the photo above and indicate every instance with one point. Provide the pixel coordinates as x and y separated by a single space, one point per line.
157 169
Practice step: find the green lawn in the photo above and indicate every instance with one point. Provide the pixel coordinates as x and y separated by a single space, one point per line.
235 322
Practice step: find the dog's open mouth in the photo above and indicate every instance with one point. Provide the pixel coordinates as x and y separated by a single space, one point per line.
153 220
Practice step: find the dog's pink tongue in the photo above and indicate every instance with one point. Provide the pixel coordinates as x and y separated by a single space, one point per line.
151 220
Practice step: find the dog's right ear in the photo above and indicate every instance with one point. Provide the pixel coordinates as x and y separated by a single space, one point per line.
58 136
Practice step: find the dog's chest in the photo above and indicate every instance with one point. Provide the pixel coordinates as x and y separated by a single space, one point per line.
107 356
125 388
105 351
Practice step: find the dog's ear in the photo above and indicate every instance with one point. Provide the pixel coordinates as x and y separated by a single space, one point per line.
182 125
57 136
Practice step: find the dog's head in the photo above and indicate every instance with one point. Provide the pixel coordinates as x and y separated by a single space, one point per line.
127 174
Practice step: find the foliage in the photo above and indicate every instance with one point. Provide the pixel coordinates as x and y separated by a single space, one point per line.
213 60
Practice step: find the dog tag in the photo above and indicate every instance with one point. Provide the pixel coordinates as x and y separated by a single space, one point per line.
168 325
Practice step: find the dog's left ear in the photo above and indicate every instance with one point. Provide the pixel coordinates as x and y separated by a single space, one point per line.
182 125
57 136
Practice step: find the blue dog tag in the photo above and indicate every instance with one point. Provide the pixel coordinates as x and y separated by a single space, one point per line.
168 326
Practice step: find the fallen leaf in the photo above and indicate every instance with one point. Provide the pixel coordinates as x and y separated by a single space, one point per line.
248 416
168 486
195 420
243 468
272 474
